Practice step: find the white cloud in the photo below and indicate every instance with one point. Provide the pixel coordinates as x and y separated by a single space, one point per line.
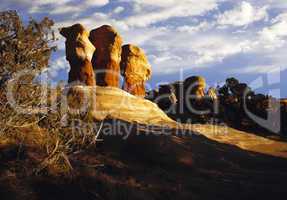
242 15
50 74
210 49
186 46
180 44
143 36
118 10
164 10
57 7
281 4
203 26
96 2
166 57
190 51
95 20
159 3
60 10
275 35
258 69
155 3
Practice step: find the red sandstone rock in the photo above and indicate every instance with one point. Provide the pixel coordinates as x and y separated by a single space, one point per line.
107 57
135 68
79 52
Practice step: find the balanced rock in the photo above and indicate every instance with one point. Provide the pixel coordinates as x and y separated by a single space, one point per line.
135 69
107 57
79 53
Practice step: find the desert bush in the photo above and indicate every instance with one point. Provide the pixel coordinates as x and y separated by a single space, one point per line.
31 113
24 50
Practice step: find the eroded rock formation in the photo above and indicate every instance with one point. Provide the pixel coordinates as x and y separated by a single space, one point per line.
166 97
212 94
195 85
283 102
114 103
135 69
107 57
79 52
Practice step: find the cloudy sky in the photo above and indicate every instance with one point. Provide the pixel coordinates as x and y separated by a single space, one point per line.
213 38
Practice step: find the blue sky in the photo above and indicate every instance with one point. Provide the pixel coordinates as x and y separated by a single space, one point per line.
213 38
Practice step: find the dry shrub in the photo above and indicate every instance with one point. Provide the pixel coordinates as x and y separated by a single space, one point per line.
38 121
46 127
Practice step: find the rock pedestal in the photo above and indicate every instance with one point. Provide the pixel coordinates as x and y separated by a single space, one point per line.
135 69
107 57
79 52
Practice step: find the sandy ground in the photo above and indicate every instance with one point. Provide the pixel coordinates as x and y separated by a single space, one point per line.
243 140
207 166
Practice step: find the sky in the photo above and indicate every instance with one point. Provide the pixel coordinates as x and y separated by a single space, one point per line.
216 39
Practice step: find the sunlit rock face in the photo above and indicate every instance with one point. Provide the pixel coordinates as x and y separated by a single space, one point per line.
113 103
212 94
107 57
135 69
79 52
82 72
283 102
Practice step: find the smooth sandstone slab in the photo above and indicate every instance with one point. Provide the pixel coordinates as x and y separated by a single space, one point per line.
111 102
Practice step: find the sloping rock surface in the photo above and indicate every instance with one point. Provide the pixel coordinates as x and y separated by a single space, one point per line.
114 103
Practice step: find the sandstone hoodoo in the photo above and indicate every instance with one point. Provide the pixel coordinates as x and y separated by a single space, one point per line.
195 85
166 97
212 94
79 53
107 57
135 69
195 104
